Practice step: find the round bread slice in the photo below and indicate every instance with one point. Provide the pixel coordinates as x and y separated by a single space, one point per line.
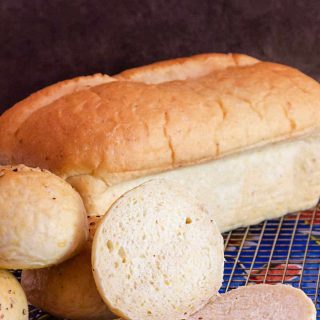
13 301
43 220
67 290
263 302
157 254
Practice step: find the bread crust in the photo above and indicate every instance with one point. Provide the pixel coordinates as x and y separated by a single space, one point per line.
13 118
124 129
79 298
43 219
185 68
13 301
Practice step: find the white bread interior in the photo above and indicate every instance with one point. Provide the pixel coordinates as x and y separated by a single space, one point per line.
259 302
157 254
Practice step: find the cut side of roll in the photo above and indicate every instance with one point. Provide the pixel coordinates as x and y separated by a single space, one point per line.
43 219
259 302
67 290
157 254
13 301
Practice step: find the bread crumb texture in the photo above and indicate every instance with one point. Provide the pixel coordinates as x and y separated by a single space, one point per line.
157 254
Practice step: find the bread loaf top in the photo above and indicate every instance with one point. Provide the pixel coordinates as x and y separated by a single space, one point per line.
185 68
13 118
118 130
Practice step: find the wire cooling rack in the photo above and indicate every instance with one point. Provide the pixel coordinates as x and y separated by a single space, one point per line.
285 250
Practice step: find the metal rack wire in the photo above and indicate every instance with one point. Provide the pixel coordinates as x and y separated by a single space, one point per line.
285 250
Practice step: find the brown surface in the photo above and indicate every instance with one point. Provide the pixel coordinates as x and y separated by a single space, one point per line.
13 118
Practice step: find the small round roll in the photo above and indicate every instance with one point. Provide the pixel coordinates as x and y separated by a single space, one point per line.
157 254
13 301
66 290
43 220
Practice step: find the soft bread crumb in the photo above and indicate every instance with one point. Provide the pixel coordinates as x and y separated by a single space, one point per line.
263 302
157 254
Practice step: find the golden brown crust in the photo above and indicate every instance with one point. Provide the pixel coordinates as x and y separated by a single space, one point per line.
185 68
13 118
123 129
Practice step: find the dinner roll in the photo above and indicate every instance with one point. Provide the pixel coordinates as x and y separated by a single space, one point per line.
66 290
43 220
157 254
13 302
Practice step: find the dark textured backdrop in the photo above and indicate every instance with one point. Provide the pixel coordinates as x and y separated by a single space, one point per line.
46 41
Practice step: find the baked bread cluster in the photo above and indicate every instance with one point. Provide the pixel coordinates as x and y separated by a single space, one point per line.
114 191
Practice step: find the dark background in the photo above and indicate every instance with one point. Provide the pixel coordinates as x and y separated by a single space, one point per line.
43 42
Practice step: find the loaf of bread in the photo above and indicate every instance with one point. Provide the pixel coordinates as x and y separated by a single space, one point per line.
259 302
42 221
157 254
13 301
239 190
241 133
